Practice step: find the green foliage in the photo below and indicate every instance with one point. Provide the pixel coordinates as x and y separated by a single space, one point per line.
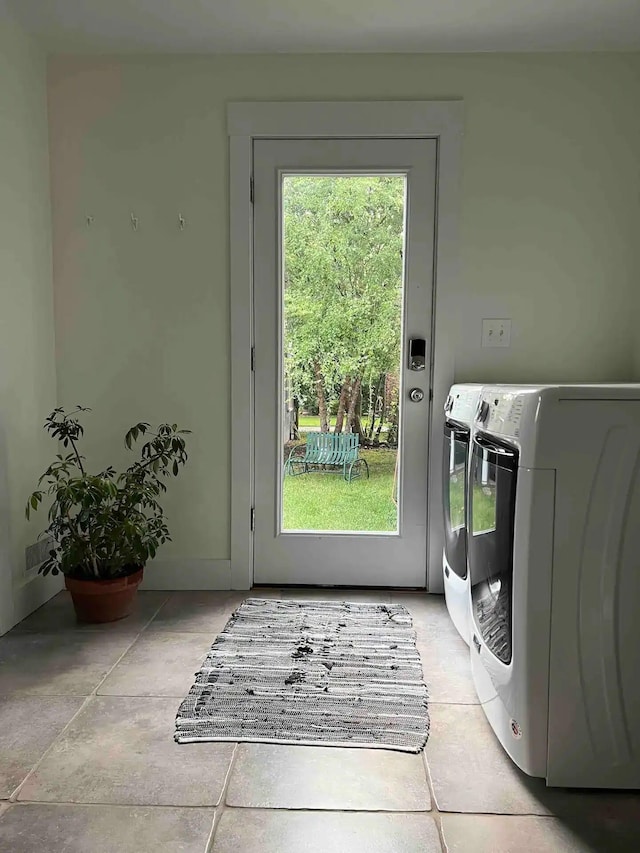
106 525
343 259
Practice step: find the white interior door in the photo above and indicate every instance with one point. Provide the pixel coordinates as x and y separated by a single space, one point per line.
343 292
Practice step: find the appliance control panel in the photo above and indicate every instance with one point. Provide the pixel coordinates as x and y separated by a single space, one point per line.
500 412
462 402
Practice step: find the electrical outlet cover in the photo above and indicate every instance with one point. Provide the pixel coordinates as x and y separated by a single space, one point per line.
496 332
37 553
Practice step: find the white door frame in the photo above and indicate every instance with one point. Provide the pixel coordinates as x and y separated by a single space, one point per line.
439 120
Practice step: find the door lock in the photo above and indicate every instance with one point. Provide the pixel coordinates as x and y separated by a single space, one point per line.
416 395
417 353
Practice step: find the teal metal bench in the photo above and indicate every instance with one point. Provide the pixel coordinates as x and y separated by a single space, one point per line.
327 452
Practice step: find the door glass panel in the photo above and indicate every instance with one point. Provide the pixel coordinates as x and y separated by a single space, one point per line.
342 261
492 507
457 482
455 457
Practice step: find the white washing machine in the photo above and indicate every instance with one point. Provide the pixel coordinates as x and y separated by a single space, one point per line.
554 563
459 413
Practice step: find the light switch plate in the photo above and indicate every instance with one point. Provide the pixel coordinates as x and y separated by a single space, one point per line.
496 332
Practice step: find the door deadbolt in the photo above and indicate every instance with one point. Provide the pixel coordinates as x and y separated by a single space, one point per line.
416 395
417 353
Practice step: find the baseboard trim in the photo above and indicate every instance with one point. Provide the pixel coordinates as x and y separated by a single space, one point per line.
187 574
33 593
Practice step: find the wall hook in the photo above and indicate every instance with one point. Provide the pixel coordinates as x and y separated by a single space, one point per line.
181 221
134 222
89 220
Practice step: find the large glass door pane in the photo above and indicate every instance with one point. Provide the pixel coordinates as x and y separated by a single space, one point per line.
342 333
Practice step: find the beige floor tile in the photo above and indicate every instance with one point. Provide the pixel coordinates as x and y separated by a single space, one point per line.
122 751
35 828
159 663
263 592
249 831
119 751
71 663
470 771
519 834
58 615
203 612
447 672
28 727
429 614
441 634
307 777
418 598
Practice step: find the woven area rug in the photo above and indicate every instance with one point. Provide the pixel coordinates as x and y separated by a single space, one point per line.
314 673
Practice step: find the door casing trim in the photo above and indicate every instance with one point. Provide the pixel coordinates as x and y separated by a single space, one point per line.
246 121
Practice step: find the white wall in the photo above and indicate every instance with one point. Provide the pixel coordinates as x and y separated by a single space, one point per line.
27 368
549 232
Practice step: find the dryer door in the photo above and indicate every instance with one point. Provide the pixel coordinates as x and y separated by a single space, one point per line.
455 460
491 495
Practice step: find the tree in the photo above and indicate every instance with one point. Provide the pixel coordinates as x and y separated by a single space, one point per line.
343 273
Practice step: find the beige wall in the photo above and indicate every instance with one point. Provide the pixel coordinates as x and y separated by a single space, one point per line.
27 370
550 229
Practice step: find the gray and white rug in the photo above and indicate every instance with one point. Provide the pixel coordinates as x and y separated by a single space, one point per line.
311 672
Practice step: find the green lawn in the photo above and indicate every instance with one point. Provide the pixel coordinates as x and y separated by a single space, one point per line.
313 421
306 421
325 501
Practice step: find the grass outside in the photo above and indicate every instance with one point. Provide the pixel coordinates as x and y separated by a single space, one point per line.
306 421
313 422
325 501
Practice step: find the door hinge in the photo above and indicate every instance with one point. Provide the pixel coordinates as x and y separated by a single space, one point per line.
251 189
253 518
430 395
253 359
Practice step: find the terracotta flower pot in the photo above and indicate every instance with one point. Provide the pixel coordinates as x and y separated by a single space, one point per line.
104 600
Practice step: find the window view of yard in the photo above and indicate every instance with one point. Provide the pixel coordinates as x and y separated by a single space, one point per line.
343 247
325 501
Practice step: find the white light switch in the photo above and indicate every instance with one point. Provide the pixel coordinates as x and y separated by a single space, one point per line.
496 333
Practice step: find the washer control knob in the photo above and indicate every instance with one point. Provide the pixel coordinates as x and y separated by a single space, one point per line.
416 395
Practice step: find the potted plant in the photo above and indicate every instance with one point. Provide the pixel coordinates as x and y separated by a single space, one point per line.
104 527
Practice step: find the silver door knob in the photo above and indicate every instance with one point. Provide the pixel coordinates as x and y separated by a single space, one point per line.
416 395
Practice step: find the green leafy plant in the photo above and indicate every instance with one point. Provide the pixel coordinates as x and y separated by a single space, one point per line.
106 525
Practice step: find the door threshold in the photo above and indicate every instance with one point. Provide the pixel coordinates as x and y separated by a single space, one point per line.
338 586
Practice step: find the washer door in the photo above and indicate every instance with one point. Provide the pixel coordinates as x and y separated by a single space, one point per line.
491 496
454 491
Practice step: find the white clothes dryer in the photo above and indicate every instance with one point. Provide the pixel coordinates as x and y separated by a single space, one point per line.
459 413
554 564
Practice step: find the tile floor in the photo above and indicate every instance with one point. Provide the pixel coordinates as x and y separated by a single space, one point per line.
88 761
